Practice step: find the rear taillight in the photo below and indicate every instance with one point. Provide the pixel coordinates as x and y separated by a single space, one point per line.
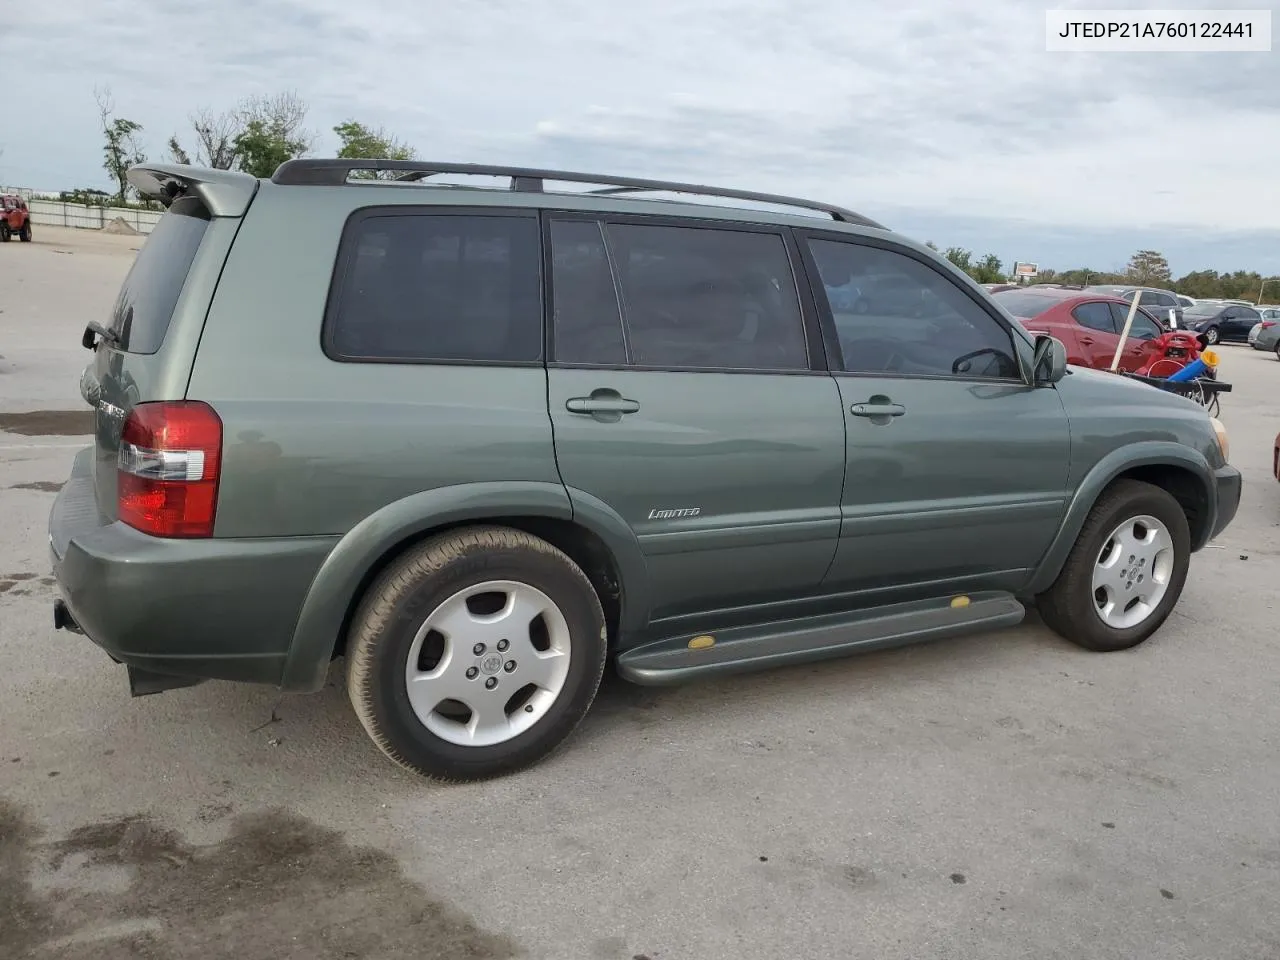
1268 323
170 454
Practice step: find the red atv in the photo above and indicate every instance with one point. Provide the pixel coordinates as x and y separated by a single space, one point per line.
14 218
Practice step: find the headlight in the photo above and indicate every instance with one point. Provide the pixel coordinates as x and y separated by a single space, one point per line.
1223 443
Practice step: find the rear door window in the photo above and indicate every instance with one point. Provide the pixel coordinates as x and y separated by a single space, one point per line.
147 298
586 319
421 286
1095 315
708 298
1143 328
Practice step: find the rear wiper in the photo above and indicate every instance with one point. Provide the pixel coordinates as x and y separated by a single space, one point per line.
95 332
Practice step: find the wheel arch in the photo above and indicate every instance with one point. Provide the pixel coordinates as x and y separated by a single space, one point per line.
1178 469
590 533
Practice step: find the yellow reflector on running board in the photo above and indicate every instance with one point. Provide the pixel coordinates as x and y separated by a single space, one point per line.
702 642
959 601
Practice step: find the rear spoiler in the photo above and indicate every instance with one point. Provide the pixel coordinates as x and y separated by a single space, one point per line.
226 193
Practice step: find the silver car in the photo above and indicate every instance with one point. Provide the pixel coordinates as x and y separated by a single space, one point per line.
1265 334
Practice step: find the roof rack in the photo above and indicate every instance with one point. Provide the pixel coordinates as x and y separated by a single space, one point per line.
335 172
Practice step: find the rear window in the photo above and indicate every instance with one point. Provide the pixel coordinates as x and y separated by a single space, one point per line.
422 287
1023 304
145 303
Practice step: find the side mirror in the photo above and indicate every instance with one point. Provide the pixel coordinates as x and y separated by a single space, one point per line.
1049 362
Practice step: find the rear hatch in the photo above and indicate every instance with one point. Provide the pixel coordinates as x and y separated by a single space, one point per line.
145 347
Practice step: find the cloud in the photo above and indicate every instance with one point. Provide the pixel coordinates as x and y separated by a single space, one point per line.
923 112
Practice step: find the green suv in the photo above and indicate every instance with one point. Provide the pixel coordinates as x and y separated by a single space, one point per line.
480 441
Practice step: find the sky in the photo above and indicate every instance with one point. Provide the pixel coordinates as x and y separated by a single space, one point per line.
946 120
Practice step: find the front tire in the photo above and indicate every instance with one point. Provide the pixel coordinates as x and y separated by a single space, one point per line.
25 233
1125 572
1212 336
5 233
476 654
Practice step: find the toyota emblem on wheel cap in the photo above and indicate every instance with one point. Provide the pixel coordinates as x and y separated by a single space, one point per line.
490 665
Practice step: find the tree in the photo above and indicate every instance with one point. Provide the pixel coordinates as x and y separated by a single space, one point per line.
359 142
121 149
215 137
1148 268
960 257
89 196
270 132
988 270
256 135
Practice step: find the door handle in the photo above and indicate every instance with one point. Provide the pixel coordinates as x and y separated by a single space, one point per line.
1087 341
603 404
878 410
593 405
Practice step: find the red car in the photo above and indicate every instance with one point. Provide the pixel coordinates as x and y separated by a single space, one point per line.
1089 323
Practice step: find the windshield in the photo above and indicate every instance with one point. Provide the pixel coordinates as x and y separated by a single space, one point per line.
1023 304
1205 309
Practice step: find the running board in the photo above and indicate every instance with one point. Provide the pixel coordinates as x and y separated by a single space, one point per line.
741 649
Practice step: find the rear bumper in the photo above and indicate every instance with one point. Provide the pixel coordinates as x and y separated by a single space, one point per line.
208 609
1228 483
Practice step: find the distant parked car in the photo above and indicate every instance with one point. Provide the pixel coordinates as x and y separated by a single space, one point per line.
1185 300
15 218
1265 334
1222 322
999 287
1089 324
1156 299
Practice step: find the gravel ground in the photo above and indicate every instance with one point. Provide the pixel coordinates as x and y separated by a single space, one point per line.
1000 796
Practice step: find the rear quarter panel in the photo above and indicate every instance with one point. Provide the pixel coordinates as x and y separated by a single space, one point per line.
313 446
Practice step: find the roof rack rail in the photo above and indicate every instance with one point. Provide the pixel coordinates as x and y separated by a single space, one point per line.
335 172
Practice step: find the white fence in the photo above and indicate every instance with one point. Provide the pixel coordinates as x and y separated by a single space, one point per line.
55 213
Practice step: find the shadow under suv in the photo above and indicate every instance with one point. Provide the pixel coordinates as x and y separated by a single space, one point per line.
478 442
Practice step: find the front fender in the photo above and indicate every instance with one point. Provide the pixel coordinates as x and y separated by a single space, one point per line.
340 576
1141 454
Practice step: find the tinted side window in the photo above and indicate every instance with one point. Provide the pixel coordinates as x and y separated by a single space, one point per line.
1144 327
696 297
144 306
425 287
1096 316
903 317
585 314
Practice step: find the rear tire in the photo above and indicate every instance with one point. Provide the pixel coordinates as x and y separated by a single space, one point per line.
25 233
1099 599
5 233
437 677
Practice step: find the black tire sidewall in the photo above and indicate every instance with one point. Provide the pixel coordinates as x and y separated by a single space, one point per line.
390 699
1154 502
